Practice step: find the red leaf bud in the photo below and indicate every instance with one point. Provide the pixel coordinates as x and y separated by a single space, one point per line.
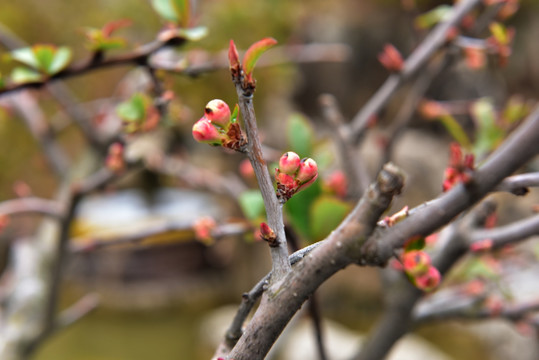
218 112
289 163
391 58
430 280
205 132
416 263
285 180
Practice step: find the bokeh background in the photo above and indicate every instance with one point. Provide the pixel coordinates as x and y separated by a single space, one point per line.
161 299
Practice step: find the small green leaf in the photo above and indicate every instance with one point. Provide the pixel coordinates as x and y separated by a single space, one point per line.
326 214
166 10
489 134
61 59
45 56
252 204
455 130
235 114
254 52
432 17
26 56
183 11
417 243
300 134
22 75
515 110
193 34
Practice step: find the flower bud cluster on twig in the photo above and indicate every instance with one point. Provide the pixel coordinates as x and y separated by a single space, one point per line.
419 269
218 127
460 168
294 174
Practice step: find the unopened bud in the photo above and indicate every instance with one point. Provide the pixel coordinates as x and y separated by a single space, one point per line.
308 171
205 132
430 280
218 112
289 163
416 263
268 234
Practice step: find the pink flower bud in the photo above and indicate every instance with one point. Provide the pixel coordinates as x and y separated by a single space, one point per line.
289 163
205 132
416 263
337 183
218 112
308 171
430 280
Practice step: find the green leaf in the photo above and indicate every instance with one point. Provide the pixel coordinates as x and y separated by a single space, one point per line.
326 214
499 31
252 204
22 75
254 52
193 34
60 60
235 114
183 11
166 10
455 130
417 243
26 56
297 209
432 17
45 56
489 134
134 109
515 110
300 134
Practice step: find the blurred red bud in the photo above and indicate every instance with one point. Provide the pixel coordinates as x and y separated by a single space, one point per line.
416 262
429 281
391 58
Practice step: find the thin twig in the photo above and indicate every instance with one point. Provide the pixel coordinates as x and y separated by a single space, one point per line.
507 234
519 184
31 205
274 213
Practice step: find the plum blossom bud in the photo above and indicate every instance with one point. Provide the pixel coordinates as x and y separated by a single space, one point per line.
218 112
416 263
430 280
289 163
308 171
205 132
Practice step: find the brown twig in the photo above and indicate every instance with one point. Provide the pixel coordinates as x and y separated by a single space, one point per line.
274 213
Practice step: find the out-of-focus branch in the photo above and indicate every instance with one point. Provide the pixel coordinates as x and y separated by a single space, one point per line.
353 166
93 243
31 205
519 184
36 123
415 62
508 234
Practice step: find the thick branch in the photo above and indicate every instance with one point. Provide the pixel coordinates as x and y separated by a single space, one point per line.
281 301
521 146
31 205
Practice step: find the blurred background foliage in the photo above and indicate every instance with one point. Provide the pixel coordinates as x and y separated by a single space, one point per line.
168 327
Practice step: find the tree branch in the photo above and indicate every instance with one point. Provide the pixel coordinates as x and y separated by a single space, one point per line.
31 205
415 62
282 299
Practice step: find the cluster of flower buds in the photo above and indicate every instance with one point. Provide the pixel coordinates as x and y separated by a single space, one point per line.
459 169
115 158
418 267
218 127
203 229
294 174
